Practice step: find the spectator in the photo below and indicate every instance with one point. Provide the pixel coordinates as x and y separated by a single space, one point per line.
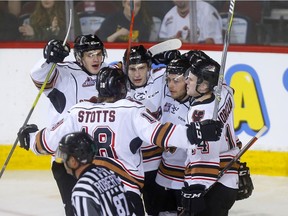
115 28
14 7
48 21
8 29
176 23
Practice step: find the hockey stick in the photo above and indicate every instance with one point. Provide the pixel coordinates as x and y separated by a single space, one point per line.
170 44
237 157
36 100
223 59
130 34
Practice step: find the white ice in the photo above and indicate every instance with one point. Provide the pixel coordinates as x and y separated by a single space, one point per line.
34 193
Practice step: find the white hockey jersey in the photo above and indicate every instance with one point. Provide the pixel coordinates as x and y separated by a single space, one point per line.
171 170
151 95
67 86
116 128
204 162
209 23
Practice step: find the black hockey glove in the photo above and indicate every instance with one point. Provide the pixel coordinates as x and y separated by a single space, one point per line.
24 135
195 56
245 182
55 52
165 57
192 199
207 130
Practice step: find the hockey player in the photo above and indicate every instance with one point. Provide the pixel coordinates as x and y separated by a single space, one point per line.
146 86
69 83
175 106
98 191
116 125
204 162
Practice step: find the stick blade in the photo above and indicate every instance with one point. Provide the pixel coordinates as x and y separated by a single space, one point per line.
170 44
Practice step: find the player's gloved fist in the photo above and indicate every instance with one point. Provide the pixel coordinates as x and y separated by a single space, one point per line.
55 52
195 56
207 130
165 57
24 135
192 198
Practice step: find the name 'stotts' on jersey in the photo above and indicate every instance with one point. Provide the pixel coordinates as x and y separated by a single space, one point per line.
116 128
106 189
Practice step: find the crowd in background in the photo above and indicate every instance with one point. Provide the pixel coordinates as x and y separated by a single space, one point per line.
257 22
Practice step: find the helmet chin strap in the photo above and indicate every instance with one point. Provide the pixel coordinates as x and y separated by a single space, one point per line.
201 94
74 169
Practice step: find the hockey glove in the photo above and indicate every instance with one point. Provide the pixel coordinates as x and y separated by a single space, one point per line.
195 56
192 198
24 135
207 130
55 52
165 57
245 182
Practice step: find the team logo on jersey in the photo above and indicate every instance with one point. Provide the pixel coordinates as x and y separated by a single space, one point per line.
174 109
89 82
167 107
140 96
198 115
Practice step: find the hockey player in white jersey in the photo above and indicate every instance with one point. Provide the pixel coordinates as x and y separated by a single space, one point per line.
175 106
204 162
70 82
146 86
116 125
98 191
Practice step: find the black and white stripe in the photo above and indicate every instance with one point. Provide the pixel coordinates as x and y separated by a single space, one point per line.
99 192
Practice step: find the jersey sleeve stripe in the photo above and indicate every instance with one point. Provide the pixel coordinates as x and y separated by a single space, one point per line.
50 83
161 134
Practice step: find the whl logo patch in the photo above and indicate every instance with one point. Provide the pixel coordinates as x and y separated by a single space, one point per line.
89 82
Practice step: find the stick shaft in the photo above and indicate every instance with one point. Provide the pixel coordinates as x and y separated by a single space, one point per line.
130 35
223 58
240 153
35 102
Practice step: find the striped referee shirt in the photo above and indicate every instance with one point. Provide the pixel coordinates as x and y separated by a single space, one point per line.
99 192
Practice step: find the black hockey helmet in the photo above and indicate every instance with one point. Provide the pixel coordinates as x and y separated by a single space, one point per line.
195 56
111 82
85 43
207 70
177 66
137 55
79 145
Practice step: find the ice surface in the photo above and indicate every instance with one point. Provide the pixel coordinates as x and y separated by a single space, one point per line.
34 193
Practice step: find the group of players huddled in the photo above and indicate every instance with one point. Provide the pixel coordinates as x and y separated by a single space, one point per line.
135 137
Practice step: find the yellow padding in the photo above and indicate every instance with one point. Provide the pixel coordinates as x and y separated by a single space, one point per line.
260 162
267 162
23 160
